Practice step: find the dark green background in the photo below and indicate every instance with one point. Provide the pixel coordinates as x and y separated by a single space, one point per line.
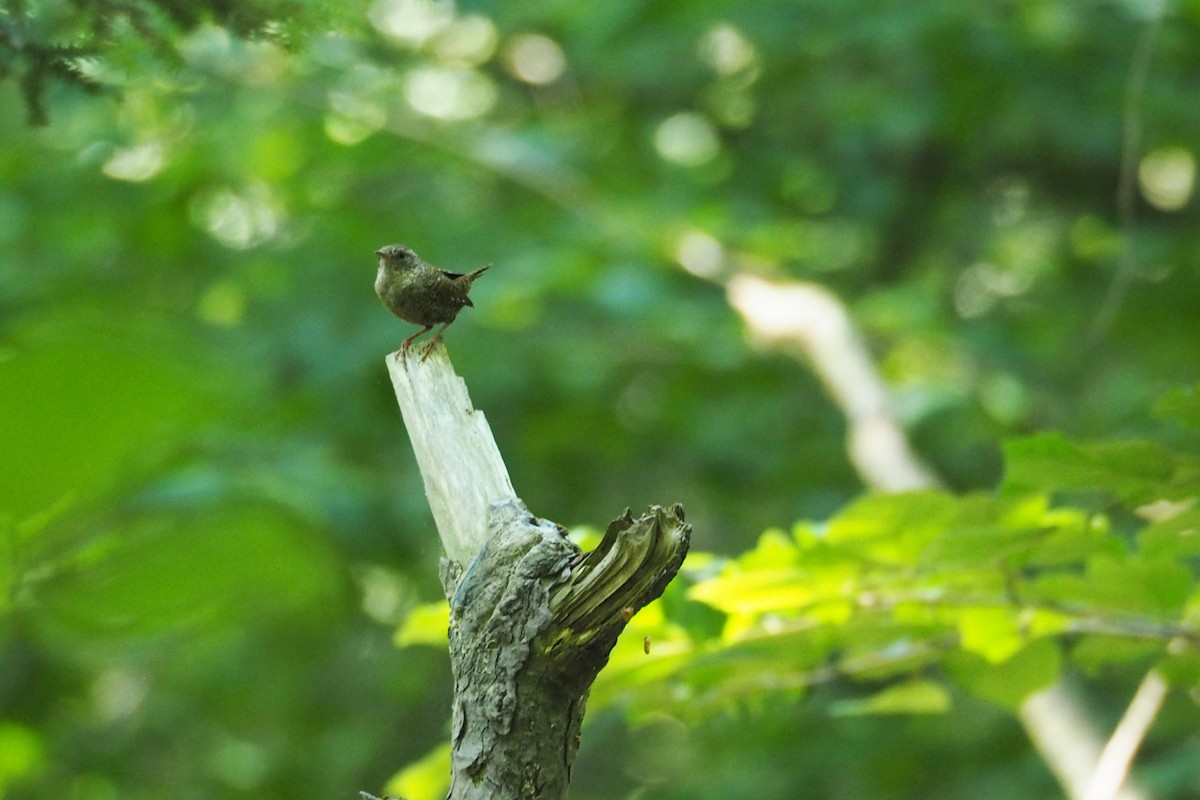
212 518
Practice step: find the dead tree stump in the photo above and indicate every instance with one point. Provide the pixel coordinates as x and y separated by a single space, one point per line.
532 618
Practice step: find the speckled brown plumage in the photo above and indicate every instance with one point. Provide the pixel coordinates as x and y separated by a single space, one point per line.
421 293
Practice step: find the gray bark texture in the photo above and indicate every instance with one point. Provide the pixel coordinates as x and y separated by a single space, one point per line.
532 618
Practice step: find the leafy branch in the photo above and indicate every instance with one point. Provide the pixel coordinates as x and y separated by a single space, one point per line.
44 43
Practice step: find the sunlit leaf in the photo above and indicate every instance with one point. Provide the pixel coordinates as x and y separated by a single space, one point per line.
981 533
993 633
22 754
774 549
426 624
1044 622
754 592
892 528
426 779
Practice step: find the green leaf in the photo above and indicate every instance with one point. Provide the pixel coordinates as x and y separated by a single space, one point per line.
426 779
993 633
426 624
892 528
1181 669
1034 667
1175 537
701 621
913 697
1094 654
1181 404
755 592
987 531
777 576
1124 585
1130 470
22 754
1074 536
1041 622
774 549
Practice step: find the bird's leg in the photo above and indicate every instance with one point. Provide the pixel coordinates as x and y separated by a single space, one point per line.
407 342
437 337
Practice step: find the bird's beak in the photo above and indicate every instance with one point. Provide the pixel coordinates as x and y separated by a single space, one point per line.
379 252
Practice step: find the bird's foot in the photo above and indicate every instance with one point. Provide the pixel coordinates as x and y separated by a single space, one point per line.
429 348
407 343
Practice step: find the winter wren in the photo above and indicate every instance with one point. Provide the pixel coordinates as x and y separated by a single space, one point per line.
421 293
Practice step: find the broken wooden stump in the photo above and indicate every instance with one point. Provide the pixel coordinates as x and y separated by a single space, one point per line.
532 618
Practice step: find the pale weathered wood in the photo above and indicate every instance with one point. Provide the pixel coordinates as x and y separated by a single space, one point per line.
458 458
532 619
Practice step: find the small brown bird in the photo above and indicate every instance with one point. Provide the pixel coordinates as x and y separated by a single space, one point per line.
421 293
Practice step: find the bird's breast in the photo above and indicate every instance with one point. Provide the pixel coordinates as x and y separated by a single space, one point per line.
380 281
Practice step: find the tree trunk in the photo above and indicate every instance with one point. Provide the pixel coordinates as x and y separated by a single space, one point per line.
532 618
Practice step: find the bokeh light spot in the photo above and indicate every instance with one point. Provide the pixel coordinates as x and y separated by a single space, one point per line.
411 22
973 296
138 163
449 94
382 596
700 253
1168 177
467 42
727 50
117 694
984 284
534 58
239 220
352 118
688 139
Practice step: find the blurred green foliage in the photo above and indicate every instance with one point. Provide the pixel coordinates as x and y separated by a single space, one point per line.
211 522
